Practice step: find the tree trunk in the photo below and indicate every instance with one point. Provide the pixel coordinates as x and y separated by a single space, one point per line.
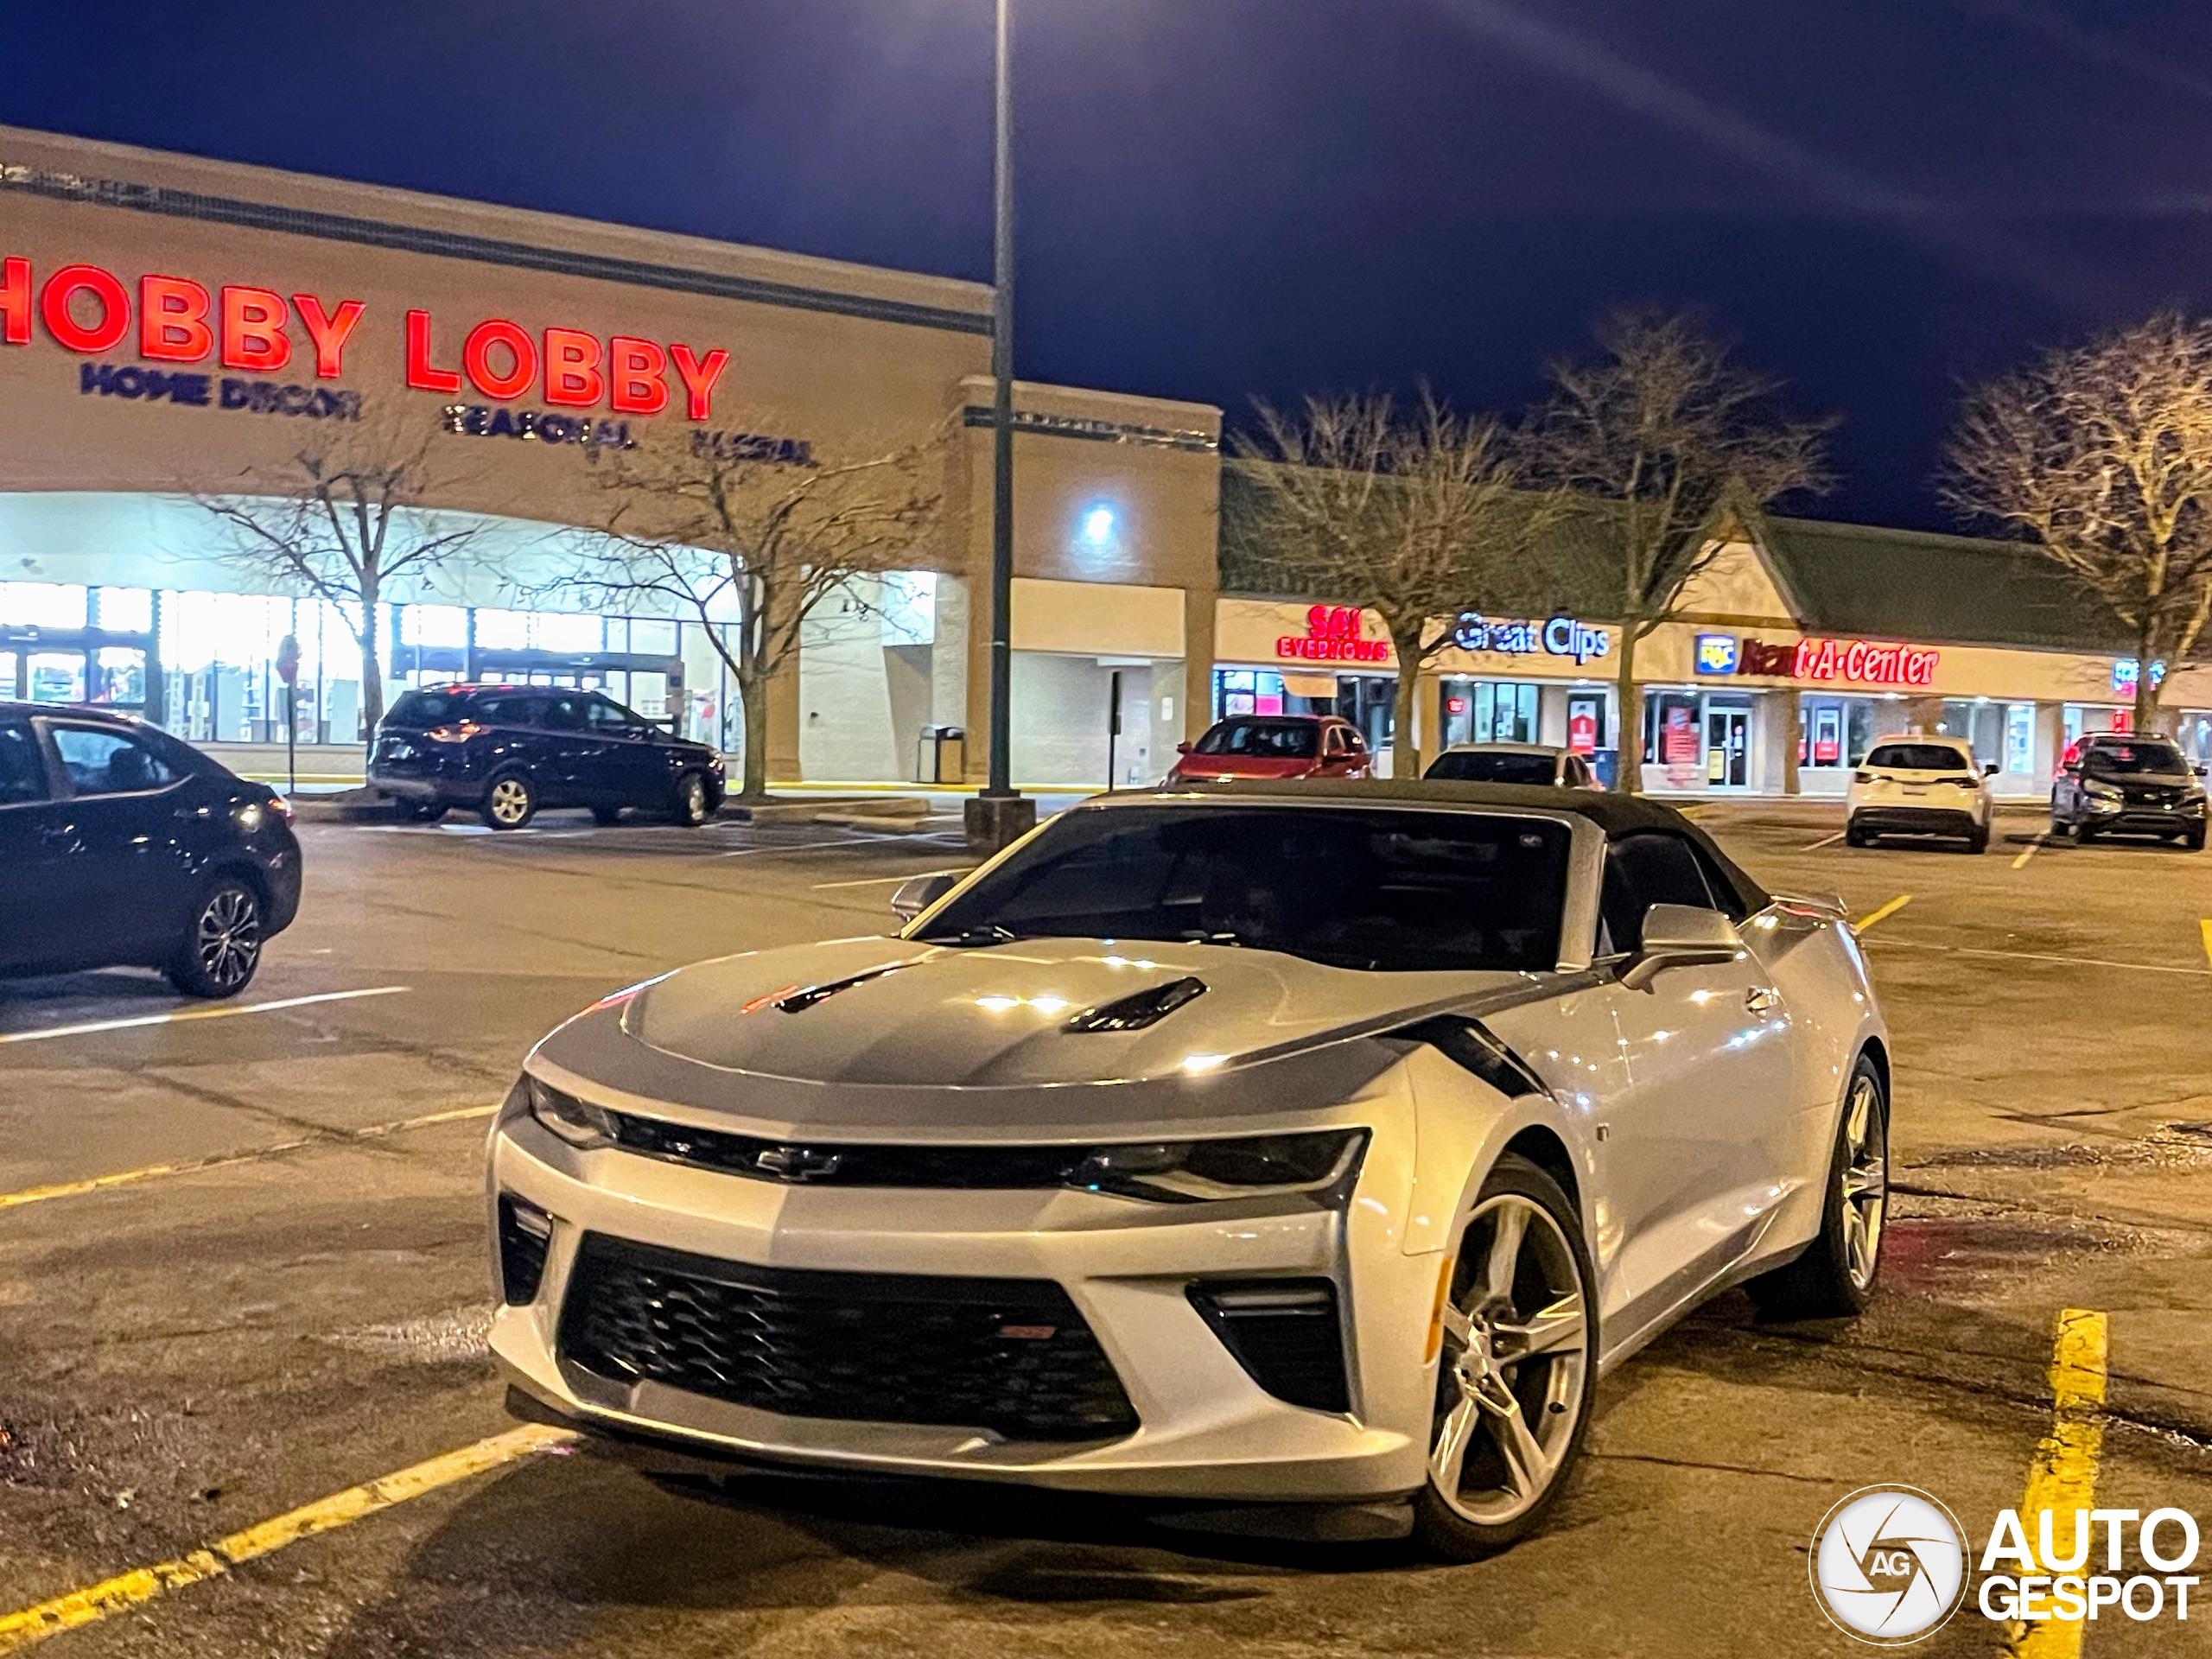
1405 753
372 664
2146 691
753 698
1628 733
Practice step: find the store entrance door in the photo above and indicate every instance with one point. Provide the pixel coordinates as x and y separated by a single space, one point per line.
1728 748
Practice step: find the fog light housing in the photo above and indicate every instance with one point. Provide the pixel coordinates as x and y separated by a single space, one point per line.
1285 1332
525 1236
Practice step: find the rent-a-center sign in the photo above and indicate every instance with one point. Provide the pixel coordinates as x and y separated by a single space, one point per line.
176 321
1858 662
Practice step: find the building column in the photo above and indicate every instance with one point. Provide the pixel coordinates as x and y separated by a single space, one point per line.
1196 712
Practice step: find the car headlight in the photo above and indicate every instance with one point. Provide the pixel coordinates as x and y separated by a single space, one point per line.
2100 791
576 1121
1196 1172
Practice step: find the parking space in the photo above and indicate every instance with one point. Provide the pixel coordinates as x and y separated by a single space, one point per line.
286 1299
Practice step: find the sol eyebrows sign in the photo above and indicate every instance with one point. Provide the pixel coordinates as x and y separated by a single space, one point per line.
89 310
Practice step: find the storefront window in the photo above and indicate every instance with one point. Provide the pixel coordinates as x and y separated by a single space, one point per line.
57 676
1671 737
1981 722
1834 731
123 610
2020 739
1484 711
41 605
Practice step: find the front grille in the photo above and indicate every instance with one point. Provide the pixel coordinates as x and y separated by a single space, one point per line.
1286 1334
981 1168
524 1232
1009 1355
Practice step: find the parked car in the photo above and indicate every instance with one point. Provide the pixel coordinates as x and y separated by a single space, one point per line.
122 847
2119 783
1273 746
1309 1141
1916 785
1514 763
507 751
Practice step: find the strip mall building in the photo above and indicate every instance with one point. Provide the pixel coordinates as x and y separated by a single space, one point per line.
168 325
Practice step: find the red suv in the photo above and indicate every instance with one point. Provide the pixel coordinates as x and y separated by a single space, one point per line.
1274 746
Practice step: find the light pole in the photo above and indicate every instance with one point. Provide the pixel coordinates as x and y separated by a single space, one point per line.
998 815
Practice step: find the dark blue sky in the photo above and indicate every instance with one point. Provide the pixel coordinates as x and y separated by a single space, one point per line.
1269 196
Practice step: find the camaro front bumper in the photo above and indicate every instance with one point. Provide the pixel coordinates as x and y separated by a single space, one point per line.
1201 1426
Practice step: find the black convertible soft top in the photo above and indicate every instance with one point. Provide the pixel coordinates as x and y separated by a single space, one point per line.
1616 815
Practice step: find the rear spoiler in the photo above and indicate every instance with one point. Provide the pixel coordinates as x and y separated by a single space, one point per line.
1826 906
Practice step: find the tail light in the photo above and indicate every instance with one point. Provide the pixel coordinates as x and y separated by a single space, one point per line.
459 733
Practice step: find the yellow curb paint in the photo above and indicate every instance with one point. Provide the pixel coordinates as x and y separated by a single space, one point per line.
2063 1476
34 1624
1883 912
154 1171
227 1012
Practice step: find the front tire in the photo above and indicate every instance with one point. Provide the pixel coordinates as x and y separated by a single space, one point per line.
510 801
695 802
1516 1371
221 947
1834 1277
1978 839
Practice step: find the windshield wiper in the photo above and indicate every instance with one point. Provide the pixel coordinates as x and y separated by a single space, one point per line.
970 938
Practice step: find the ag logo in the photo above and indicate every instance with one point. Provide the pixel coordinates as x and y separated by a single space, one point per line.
1889 1564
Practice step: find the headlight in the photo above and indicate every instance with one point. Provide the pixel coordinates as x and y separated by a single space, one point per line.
1193 1172
576 1121
1862 777
2100 791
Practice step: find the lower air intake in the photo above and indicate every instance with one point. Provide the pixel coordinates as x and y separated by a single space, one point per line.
1286 1334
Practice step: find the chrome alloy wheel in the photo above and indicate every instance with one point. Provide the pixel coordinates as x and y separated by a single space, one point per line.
510 801
692 799
1866 1179
227 940
1517 1348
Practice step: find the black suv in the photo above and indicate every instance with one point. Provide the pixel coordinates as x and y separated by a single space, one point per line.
2119 783
508 750
121 847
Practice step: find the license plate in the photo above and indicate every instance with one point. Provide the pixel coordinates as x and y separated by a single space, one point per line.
1915 789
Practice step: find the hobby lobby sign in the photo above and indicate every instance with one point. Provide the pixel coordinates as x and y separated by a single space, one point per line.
174 321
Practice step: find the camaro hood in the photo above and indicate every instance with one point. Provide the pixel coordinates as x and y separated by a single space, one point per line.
899 1035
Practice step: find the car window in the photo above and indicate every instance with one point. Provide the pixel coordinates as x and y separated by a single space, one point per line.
423 709
1651 867
1378 890
1334 742
563 714
108 763
608 716
511 709
22 771
1273 739
2123 759
1919 757
1476 766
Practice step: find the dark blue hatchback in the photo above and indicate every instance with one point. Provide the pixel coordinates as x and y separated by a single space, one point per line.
505 751
122 847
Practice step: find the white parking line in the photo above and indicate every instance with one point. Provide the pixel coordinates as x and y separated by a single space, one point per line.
886 880
180 1016
812 846
1825 841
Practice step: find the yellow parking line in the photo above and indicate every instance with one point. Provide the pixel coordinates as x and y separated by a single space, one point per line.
2063 1476
1883 912
228 1011
34 1624
2204 929
886 880
2035 846
152 1172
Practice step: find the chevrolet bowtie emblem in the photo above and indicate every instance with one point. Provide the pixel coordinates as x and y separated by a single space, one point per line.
796 1163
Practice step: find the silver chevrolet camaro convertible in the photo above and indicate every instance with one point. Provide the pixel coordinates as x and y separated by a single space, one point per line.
1315 1143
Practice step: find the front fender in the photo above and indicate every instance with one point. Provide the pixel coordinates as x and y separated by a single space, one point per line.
1462 1125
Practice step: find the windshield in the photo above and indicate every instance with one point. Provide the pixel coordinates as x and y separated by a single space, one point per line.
1919 757
1271 739
2122 758
1354 887
1478 767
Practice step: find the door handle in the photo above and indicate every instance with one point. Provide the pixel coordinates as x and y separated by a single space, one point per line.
59 835
1761 999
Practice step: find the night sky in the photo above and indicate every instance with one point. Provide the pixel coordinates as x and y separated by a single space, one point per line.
1878 199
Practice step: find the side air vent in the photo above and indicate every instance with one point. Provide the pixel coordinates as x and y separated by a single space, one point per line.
1135 1011
1469 1043
524 1232
799 1001
1284 1332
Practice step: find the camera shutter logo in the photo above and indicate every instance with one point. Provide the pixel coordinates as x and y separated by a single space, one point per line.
1889 1564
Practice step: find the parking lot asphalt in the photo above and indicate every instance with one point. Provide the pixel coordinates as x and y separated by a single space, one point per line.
242 1269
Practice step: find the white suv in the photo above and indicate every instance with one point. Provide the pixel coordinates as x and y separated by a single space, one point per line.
1916 785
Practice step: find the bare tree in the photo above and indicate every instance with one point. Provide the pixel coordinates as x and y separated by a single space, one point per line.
1414 515
749 540
1675 436
2101 454
342 519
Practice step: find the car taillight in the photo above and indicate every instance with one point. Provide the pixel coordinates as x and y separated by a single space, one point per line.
1862 777
459 733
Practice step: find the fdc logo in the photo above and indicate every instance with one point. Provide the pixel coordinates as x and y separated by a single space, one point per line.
1889 1564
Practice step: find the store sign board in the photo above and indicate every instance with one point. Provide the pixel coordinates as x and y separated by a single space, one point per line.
1857 662
1333 635
164 320
2125 671
1562 636
1716 653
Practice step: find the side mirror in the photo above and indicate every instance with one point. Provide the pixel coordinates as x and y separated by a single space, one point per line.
1182 748
1680 935
1989 768
2199 771
918 893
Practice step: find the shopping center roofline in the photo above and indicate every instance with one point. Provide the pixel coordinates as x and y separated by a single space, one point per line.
162 182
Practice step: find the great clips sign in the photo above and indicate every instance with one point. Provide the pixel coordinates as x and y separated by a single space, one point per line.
181 324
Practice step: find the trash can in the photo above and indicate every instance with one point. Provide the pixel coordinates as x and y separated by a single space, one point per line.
942 756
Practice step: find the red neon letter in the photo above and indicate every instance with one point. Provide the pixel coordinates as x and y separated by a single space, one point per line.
699 377
420 374
328 330
572 373
114 307
15 302
476 358
253 329
173 320
635 367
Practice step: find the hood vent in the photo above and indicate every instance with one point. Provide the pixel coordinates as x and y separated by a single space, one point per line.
799 1001
1142 1009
